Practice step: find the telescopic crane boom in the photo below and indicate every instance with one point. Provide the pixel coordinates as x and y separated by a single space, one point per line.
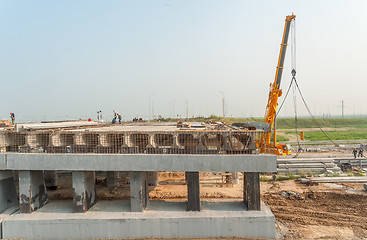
275 92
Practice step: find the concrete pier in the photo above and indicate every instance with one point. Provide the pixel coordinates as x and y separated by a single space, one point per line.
8 195
112 178
139 194
32 191
51 179
193 191
235 178
251 191
84 196
153 178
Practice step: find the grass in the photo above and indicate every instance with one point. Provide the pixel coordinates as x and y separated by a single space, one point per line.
288 123
350 134
281 138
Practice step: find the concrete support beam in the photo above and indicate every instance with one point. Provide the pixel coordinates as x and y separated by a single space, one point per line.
251 191
193 191
139 194
32 191
84 196
51 180
8 194
153 178
112 179
140 162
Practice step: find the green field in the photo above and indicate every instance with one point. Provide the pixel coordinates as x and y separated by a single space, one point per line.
356 128
352 134
289 123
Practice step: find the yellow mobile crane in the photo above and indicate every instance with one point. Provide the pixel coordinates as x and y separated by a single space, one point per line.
265 145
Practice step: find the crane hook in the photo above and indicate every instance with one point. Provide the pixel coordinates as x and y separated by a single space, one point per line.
293 72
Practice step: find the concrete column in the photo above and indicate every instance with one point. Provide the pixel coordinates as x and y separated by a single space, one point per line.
51 180
235 178
8 193
112 179
251 191
84 196
139 194
32 191
193 191
153 178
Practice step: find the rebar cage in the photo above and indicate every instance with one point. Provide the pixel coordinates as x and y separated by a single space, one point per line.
132 142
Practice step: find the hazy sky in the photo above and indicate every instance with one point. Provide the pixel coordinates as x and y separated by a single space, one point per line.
69 59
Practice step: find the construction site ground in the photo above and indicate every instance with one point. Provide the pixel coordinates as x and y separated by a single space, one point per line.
327 210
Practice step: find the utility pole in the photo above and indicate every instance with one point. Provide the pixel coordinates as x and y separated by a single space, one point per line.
223 104
342 108
187 110
173 107
153 109
151 95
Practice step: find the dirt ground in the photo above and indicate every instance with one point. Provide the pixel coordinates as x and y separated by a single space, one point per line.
329 210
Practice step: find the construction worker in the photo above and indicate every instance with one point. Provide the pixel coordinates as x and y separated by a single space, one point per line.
360 152
119 116
12 117
355 152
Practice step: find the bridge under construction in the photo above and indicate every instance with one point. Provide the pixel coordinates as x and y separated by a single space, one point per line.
33 155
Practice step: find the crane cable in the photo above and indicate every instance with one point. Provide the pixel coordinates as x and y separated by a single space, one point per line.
293 52
293 59
295 85
293 62
313 118
295 112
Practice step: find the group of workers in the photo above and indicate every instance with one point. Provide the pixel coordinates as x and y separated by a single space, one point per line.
360 152
136 119
117 116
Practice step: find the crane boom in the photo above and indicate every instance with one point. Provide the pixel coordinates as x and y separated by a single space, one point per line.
274 93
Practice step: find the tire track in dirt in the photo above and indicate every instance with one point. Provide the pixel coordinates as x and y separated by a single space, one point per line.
323 208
